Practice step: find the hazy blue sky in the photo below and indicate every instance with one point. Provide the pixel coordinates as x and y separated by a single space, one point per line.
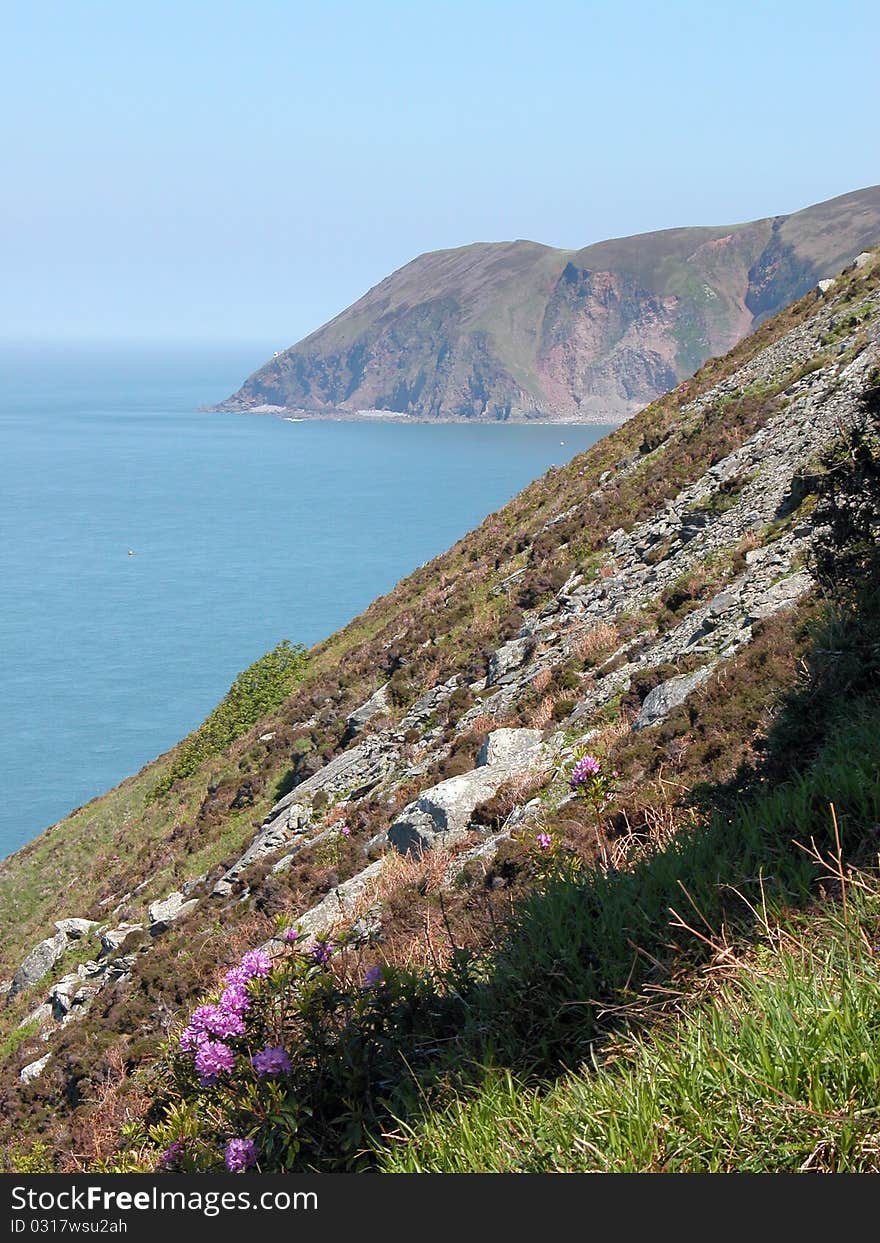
245 170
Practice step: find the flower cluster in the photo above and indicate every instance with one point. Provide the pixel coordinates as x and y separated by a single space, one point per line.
544 840
592 781
585 770
272 1060
171 1155
373 976
321 951
240 1155
209 1026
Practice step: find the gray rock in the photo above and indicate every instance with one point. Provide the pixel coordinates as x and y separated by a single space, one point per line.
163 914
335 908
428 704
113 937
862 260
782 595
38 963
508 746
668 695
291 822
351 774
507 659
33 1070
43 1014
376 706
440 815
74 929
824 286
722 603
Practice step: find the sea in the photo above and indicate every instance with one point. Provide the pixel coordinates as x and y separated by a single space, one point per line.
150 550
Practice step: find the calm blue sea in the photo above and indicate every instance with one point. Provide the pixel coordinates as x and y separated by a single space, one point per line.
245 531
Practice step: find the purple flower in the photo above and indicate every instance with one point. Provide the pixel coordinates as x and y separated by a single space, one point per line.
586 767
235 999
212 1058
291 935
235 975
192 1038
240 1155
544 840
345 831
224 1023
321 952
272 1060
255 963
373 977
198 1020
171 1155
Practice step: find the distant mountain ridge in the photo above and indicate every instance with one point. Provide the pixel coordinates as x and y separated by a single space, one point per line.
518 330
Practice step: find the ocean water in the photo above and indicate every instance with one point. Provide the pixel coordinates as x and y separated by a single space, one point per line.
244 531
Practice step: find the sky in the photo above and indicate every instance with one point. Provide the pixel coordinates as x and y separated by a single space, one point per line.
224 171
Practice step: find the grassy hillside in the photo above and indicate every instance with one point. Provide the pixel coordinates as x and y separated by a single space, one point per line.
727 535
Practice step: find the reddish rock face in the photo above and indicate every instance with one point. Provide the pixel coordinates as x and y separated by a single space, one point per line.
516 330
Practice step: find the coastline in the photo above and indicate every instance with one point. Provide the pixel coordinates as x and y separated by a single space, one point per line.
294 415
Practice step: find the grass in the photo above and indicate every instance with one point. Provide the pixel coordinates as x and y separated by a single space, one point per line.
777 1069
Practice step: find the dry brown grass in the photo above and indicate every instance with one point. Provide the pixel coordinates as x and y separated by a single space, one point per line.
119 1101
596 642
541 716
541 680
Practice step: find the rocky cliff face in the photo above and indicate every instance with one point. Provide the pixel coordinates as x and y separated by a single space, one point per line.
518 331
613 605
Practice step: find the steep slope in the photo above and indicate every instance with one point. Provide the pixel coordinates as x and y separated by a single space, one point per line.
654 600
519 330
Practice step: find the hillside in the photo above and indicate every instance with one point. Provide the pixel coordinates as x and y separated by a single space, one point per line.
511 843
516 330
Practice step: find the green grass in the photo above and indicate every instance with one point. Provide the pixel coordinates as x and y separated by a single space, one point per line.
778 1070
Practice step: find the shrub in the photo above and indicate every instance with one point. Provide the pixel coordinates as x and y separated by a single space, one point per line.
255 692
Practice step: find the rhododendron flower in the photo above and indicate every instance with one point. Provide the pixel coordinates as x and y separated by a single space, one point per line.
291 935
235 998
544 840
373 977
240 1155
272 1060
256 963
172 1154
213 1057
321 951
345 831
586 767
224 1023
192 1038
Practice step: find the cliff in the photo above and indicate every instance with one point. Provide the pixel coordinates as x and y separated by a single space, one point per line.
517 330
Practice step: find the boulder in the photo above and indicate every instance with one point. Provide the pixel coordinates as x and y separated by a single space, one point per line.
668 695
335 907
33 1070
113 937
74 929
507 659
508 746
376 706
38 963
782 595
440 815
163 914
290 822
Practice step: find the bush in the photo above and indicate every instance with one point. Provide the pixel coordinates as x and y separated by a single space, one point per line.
255 692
